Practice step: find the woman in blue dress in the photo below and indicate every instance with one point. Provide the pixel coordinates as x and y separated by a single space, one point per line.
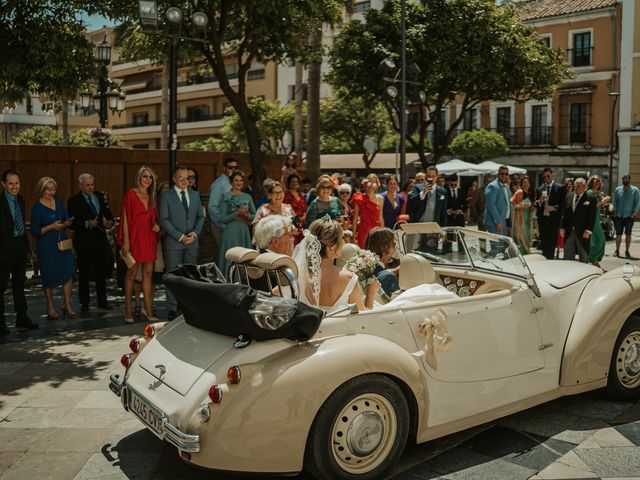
237 211
49 223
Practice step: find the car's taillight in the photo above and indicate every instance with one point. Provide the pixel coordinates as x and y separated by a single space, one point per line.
233 375
126 360
149 331
152 329
134 345
215 394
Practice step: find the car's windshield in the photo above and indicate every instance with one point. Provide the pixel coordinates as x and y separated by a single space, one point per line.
483 251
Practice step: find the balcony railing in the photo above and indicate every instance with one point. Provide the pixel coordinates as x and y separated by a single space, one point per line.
580 57
151 123
526 136
196 80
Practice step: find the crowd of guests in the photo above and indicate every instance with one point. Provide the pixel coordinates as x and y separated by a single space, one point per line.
161 224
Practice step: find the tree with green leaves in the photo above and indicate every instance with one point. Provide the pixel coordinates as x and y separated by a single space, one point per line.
479 145
274 123
249 32
44 48
466 51
45 51
45 135
348 120
39 135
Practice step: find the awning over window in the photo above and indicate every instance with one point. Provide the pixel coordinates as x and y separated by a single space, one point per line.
137 82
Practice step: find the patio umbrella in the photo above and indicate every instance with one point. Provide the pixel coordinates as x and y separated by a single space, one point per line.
458 166
492 168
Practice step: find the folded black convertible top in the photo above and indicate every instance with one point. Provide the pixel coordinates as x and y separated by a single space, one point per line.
234 309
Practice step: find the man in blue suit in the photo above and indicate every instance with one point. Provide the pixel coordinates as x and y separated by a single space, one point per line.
498 203
182 218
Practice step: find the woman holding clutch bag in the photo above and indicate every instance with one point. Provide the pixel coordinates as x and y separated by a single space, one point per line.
49 223
138 236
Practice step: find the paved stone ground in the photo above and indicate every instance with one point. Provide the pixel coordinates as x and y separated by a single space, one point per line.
58 420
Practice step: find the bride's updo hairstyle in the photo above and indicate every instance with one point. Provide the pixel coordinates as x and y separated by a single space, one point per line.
328 231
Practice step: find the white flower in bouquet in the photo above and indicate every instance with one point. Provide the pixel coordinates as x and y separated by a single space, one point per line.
363 264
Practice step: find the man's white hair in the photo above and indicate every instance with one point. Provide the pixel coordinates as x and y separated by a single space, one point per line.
267 182
344 187
83 177
269 227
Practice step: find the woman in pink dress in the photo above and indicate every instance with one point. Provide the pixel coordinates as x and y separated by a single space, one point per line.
138 236
367 209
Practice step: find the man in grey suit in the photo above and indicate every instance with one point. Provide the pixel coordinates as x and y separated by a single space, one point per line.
182 218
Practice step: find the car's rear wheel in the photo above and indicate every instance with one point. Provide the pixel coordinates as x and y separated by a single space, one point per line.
624 372
360 431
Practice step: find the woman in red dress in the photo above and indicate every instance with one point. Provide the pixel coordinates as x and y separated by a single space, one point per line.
294 198
138 235
367 209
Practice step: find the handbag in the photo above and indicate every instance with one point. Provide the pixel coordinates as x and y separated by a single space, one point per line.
128 259
64 245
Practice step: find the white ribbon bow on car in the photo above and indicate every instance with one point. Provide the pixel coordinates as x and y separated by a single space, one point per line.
438 338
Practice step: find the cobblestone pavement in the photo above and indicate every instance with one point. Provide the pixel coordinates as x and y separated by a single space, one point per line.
58 419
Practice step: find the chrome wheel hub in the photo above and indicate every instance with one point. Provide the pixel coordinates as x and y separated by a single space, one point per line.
628 361
364 433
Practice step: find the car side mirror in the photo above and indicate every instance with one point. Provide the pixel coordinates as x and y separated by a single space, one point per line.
628 271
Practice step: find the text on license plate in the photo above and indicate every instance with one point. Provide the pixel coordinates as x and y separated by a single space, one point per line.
149 415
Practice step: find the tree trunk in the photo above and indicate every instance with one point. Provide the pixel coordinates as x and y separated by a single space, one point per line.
65 121
297 123
164 105
313 107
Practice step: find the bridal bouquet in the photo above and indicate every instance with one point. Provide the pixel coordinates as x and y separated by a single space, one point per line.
363 264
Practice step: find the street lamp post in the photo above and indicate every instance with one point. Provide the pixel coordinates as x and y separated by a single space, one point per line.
399 105
613 99
173 15
108 97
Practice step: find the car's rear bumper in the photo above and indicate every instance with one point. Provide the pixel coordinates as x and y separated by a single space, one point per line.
183 441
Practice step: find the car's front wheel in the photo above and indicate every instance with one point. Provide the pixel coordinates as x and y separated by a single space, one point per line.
624 372
360 431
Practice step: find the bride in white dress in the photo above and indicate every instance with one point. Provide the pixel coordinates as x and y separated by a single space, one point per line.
321 282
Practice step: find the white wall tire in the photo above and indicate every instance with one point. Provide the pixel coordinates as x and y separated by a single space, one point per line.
360 431
624 372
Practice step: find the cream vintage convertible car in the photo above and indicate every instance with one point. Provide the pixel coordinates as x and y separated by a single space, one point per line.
249 382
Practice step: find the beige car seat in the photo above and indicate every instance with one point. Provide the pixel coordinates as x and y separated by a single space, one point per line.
349 250
284 267
240 258
415 270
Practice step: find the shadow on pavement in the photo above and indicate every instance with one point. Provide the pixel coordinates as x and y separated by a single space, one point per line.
59 361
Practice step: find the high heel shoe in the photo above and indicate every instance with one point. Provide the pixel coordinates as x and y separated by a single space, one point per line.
68 313
149 318
51 318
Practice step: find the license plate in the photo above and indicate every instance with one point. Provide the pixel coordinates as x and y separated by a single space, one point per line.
151 417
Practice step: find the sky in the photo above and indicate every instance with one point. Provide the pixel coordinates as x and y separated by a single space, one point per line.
96 22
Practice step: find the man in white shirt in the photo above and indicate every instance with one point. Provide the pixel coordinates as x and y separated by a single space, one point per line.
182 218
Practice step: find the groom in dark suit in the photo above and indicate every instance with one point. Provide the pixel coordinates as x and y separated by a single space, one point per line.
182 218
14 248
578 221
550 202
90 218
